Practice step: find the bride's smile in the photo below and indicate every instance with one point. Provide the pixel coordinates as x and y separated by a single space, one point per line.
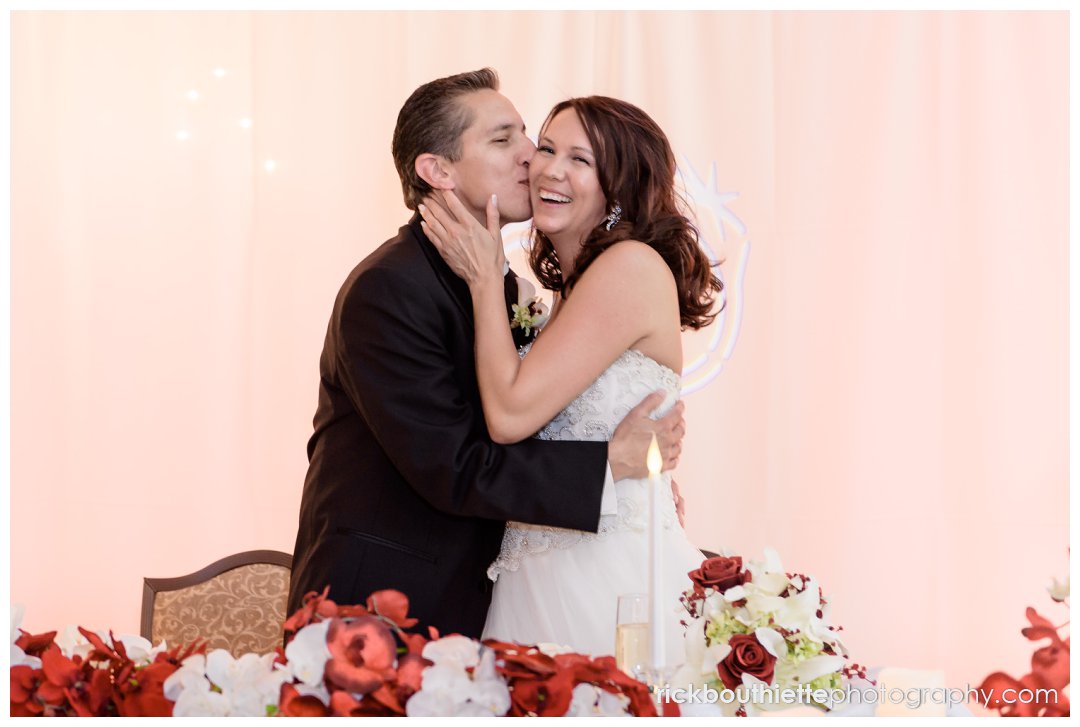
567 200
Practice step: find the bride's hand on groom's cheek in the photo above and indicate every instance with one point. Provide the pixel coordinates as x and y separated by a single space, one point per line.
472 251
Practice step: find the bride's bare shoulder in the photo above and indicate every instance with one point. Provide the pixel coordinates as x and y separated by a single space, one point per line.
629 262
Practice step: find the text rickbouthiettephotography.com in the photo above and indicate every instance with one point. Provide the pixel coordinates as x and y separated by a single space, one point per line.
910 697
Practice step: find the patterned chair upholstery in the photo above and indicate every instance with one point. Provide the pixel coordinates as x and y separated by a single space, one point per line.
237 603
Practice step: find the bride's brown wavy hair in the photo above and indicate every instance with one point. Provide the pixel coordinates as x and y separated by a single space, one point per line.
636 169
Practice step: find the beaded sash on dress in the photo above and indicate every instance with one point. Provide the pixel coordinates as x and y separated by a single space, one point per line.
593 416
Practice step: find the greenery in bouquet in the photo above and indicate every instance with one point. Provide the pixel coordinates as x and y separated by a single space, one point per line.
760 633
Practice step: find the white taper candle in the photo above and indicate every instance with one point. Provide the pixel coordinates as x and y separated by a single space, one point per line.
656 576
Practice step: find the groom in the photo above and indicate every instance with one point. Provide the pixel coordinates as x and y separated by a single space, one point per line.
404 488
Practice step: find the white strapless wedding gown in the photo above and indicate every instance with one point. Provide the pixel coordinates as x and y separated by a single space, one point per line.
561 586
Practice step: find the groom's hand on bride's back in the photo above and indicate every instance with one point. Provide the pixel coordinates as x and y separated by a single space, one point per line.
630 443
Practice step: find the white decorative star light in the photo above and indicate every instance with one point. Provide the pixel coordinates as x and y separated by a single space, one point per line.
705 194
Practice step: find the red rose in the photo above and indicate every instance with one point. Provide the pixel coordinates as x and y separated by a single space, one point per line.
747 656
719 573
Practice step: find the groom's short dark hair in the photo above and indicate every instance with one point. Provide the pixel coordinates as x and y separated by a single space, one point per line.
432 122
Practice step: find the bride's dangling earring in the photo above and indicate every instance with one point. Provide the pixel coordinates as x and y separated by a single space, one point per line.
613 219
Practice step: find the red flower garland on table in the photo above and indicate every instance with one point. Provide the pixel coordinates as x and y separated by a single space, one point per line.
542 685
339 661
106 683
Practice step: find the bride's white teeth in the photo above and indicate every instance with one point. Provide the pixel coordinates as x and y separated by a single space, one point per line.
552 197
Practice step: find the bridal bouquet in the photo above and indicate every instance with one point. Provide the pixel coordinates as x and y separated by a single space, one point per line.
340 660
760 637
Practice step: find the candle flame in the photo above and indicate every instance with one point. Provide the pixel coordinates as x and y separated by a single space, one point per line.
653 459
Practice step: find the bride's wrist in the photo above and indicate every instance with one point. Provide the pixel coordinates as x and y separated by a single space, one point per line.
485 282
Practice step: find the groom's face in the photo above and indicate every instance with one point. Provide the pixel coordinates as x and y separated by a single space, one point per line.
495 156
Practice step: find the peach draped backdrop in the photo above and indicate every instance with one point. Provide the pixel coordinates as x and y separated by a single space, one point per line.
888 401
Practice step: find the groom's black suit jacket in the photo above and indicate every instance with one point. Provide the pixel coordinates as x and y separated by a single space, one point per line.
404 488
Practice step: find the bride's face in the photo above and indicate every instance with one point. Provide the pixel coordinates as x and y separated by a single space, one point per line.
567 200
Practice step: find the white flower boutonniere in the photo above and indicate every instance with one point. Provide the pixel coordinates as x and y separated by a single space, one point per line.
530 312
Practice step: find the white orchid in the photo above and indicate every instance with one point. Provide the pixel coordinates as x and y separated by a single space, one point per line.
18 656
449 690
218 684
768 576
703 657
199 700
250 683
797 611
228 672
773 642
588 701
190 675
319 691
308 653
489 689
550 649
72 643
455 650
1059 591
137 648
431 703
449 678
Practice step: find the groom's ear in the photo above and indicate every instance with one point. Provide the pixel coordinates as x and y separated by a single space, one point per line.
435 170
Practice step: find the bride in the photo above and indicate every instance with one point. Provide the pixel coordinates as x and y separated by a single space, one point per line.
610 240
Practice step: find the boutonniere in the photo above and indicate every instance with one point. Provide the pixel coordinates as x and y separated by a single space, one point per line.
530 313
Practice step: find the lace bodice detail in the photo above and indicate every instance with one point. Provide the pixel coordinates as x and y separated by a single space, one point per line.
593 416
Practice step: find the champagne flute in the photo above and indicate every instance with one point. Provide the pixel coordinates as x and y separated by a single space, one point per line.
632 633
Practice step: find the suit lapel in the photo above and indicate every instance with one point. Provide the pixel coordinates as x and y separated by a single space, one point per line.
457 288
